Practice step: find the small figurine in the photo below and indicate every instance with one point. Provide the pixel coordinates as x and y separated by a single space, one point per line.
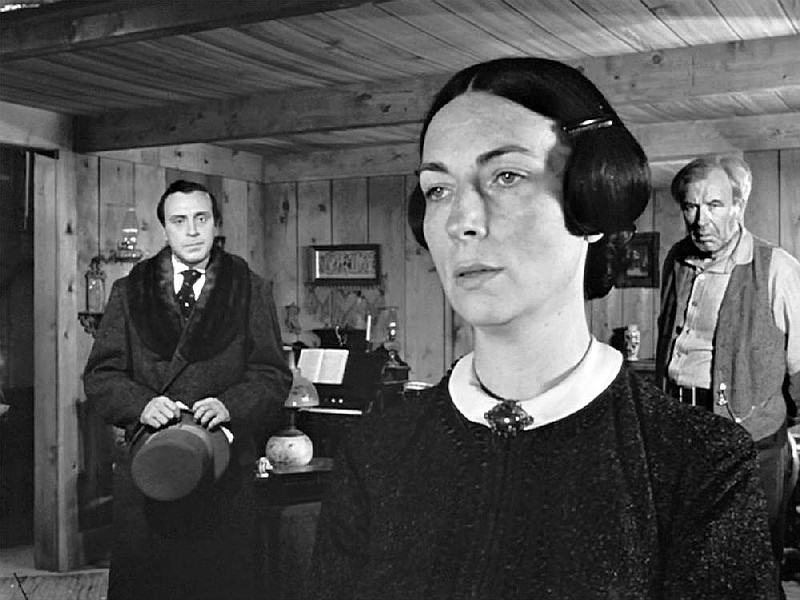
632 341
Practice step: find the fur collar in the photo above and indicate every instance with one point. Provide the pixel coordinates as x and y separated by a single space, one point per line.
219 315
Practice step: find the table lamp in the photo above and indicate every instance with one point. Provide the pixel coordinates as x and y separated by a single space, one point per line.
290 447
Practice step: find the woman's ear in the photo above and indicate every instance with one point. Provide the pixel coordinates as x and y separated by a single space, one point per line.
595 237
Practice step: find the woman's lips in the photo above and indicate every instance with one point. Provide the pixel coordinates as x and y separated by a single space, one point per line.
475 275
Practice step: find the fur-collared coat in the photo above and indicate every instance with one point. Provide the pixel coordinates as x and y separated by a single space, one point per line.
204 546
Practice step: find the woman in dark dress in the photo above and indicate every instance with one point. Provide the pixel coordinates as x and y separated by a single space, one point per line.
539 467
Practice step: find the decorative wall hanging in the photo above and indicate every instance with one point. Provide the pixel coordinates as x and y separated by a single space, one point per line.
95 297
345 307
344 264
642 269
345 289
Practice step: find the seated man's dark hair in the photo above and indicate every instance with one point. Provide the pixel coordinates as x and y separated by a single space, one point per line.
186 187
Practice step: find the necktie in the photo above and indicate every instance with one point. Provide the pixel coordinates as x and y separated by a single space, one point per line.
186 293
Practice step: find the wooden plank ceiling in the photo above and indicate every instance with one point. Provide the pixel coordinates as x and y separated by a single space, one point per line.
280 78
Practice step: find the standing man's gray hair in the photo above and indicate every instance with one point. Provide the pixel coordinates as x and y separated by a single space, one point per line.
735 167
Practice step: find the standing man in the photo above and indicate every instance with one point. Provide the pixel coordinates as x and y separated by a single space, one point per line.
191 326
729 329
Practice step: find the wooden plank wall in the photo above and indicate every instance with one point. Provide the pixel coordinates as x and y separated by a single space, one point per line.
348 211
773 213
271 225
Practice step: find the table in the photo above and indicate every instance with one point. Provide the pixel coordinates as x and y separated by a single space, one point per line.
288 502
645 368
645 365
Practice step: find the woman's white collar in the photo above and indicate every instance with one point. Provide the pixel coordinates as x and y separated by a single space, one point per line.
589 379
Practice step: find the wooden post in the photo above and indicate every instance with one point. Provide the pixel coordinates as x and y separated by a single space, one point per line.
56 375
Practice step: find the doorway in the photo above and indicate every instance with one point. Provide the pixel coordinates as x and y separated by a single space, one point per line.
16 348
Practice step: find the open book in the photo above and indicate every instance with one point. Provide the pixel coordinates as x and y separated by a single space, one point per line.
323 365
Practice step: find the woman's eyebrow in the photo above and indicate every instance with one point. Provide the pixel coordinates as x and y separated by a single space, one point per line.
432 166
491 154
481 160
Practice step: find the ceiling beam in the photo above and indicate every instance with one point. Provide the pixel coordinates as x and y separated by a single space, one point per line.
697 71
662 142
667 75
67 26
260 115
670 141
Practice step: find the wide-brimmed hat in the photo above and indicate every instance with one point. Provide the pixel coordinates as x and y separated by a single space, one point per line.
170 463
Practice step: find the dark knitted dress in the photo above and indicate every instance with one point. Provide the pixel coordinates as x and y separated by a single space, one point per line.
633 496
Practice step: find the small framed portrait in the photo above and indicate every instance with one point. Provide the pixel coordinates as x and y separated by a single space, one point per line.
344 264
643 262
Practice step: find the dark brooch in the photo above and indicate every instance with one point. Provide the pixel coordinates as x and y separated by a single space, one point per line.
507 418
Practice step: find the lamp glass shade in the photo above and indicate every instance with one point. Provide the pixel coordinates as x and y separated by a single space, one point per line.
303 393
130 230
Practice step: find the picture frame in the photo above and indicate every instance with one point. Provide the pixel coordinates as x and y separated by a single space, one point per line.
643 262
344 264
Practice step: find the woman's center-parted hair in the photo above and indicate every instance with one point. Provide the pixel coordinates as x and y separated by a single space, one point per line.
606 178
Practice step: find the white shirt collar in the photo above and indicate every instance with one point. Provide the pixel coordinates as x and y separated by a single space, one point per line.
589 379
178 267
177 279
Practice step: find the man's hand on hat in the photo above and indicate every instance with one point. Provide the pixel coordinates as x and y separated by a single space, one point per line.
160 411
210 412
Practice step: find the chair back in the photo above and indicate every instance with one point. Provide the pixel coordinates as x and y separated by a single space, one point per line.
792 483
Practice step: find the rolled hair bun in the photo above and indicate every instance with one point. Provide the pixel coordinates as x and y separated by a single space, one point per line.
603 194
606 181
606 261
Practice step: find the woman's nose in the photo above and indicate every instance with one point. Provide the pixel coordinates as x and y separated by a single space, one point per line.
467 217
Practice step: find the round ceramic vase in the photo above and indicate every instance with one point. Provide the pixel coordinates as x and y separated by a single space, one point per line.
290 448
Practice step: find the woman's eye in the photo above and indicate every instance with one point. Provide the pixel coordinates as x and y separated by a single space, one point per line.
506 178
435 193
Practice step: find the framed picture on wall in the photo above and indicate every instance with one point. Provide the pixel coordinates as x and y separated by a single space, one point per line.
344 264
643 262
